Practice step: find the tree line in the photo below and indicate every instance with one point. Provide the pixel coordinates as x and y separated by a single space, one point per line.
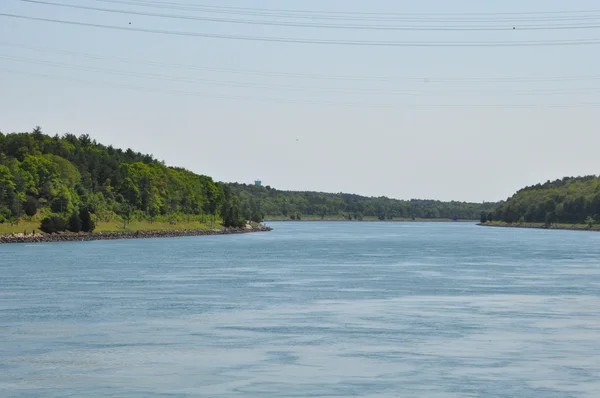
71 183
571 200
269 202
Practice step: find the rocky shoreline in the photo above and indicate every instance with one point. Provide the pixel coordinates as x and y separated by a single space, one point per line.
83 236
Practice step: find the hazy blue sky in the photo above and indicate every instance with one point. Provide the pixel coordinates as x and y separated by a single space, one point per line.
400 131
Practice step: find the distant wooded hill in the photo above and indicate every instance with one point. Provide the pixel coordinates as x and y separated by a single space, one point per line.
275 203
572 200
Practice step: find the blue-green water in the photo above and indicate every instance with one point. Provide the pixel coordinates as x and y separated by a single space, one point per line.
307 310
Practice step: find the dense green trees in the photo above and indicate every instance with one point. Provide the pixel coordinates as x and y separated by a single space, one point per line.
53 224
572 200
71 182
294 205
232 216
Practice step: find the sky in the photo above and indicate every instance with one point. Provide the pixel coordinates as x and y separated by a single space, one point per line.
321 108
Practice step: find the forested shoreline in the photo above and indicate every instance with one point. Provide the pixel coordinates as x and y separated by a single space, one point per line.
569 202
72 183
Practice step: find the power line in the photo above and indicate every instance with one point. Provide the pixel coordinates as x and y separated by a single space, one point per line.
536 43
189 93
495 80
349 12
283 13
288 101
322 26
389 92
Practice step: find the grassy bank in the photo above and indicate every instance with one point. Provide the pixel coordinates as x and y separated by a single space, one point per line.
115 226
157 226
22 226
571 227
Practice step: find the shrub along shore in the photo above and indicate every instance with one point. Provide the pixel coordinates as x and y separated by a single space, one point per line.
90 236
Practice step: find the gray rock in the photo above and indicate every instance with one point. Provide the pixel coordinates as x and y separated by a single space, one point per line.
85 236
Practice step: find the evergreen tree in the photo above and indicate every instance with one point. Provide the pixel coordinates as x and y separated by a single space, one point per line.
87 223
53 224
74 223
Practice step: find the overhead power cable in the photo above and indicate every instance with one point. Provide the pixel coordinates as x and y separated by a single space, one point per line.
289 101
360 16
432 79
379 92
377 27
532 43
349 12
